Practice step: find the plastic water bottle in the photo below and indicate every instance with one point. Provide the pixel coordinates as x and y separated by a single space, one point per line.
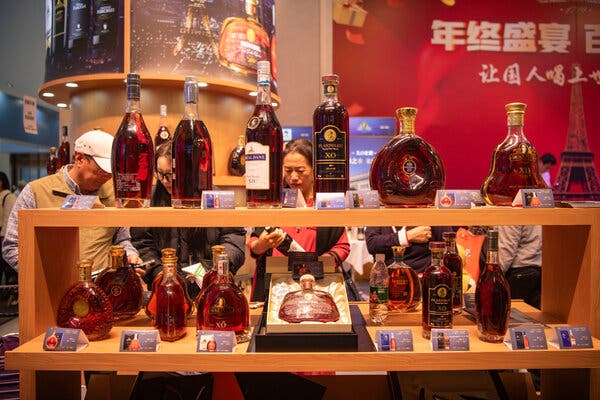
378 293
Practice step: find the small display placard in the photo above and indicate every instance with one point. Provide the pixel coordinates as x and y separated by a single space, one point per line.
81 202
458 199
330 201
139 341
220 341
394 340
534 198
362 199
292 198
450 340
216 199
64 339
571 337
527 337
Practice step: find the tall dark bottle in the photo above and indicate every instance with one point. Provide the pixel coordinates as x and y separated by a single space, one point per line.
64 150
264 146
437 292
171 316
331 147
57 39
105 22
132 153
492 296
77 31
163 134
453 262
192 153
53 163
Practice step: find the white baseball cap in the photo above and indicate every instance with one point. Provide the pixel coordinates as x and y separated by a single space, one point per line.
97 144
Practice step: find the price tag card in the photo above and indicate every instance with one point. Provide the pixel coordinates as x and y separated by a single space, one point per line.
534 198
221 341
146 340
526 337
215 199
394 340
330 201
292 198
65 339
362 199
450 340
571 337
196 272
458 199
81 202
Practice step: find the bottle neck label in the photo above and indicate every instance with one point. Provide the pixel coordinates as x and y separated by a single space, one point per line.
257 166
330 91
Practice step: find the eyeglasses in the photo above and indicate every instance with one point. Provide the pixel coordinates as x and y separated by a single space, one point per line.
164 175
96 169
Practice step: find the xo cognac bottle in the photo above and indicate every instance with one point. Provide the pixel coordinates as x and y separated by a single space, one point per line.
492 296
211 275
237 158
378 291
331 147
121 284
132 153
85 306
453 262
407 171
53 163
192 151
404 293
308 304
514 163
64 150
264 147
163 134
437 292
105 22
171 316
77 31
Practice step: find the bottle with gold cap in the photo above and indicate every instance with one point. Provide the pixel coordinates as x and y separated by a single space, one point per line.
407 171
85 306
171 307
514 163
211 275
121 284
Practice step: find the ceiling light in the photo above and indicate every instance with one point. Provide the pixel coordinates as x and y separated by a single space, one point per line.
202 84
47 94
71 84
253 94
62 105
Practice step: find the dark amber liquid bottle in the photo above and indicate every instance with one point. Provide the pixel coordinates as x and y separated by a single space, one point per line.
331 147
64 150
132 153
53 163
407 171
514 163
492 296
453 262
437 292
237 159
264 146
170 303
404 293
308 304
163 134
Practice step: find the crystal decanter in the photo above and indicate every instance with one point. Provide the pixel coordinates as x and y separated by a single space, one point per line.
171 310
404 293
85 306
437 292
308 304
407 171
514 163
453 262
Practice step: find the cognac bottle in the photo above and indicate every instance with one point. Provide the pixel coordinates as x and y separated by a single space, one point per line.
288 245
211 275
308 304
53 163
121 284
331 148
192 153
223 308
514 163
264 146
453 262
64 150
407 171
404 287
132 153
77 31
85 306
105 27
378 291
437 292
492 296
237 159
163 134
170 303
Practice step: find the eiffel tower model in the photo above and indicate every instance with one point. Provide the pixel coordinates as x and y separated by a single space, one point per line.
577 178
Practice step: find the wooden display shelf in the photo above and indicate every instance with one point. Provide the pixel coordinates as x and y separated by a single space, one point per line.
570 294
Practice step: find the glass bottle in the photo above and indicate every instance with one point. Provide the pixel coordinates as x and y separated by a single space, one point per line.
264 147
404 287
105 22
514 163
331 147
132 153
407 171
170 303
192 153
437 292
237 158
85 306
121 284
308 304
378 291
77 31
223 308
492 296
243 41
64 150
211 275
57 44
163 134
288 245
53 163
453 262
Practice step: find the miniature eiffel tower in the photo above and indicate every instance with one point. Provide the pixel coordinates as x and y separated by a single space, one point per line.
577 178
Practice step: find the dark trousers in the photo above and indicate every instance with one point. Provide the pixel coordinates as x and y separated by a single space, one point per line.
526 283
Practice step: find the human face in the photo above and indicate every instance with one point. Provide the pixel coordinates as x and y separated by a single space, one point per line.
298 173
89 175
164 172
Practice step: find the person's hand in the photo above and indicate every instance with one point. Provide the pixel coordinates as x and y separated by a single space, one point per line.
268 241
134 259
419 234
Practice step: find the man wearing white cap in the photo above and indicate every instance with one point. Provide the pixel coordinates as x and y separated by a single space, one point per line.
90 174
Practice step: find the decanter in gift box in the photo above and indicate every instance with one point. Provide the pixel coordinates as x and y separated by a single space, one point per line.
170 319
407 171
404 291
308 304
514 163
85 306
